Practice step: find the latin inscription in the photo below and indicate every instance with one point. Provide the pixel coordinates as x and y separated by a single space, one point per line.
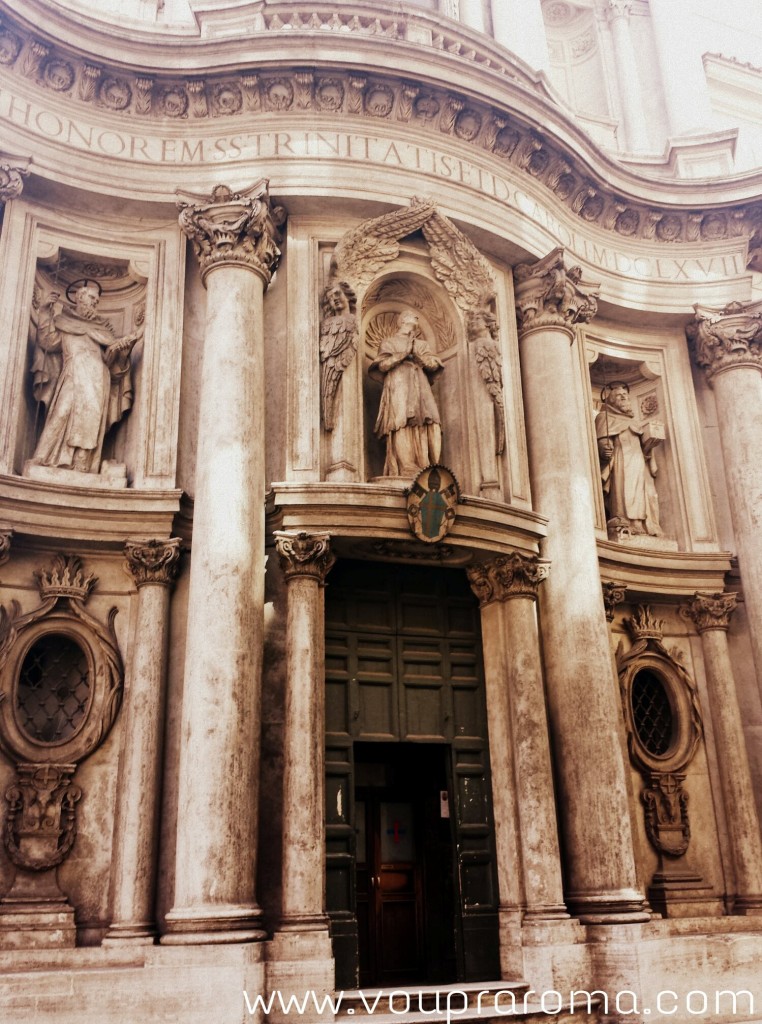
267 146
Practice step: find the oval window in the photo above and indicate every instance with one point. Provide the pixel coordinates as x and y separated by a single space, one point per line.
53 689
652 713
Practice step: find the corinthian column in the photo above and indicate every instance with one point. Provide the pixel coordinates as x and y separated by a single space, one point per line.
518 731
583 699
628 79
711 614
727 345
234 237
153 566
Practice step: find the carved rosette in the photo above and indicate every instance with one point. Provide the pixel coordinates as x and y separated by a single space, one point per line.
711 611
507 576
153 561
40 826
231 228
613 594
11 181
726 338
549 295
305 555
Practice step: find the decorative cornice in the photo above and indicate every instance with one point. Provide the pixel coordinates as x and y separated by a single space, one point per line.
618 9
613 594
726 338
11 181
506 577
169 97
233 228
304 555
644 625
153 561
549 295
711 611
65 578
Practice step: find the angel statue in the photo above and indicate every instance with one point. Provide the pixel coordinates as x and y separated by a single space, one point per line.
407 416
338 343
82 375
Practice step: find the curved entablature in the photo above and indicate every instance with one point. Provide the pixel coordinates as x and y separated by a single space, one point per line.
432 86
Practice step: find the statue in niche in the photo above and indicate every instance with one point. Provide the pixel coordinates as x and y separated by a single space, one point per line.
483 332
407 416
338 343
628 465
82 375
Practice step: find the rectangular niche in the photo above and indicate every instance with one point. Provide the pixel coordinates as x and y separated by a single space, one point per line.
91 353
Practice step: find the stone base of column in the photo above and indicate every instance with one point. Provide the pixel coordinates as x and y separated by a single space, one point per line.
549 913
131 933
509 932
625 906
748 906
24 926
219 924
300 964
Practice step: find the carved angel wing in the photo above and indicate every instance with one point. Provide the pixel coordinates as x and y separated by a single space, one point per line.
338 345
458 264
364 250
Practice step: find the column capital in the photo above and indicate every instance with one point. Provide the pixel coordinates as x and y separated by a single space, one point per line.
613 594
618 9
153 561
12 173
305 554
506 577
6 536
230 228
711 611
549 295
722 339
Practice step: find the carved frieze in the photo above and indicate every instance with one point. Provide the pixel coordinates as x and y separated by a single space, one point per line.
440 110
549 295
507 577
711 611
233 228
304 555
725 338
153 561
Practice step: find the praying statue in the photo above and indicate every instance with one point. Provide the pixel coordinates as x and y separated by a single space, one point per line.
626 450
82 375
408 417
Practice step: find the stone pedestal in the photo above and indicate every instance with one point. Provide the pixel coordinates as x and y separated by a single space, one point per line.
725 344
583 700
234 238
711 614
153 566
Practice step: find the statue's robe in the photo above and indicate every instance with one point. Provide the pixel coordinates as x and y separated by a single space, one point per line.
628 485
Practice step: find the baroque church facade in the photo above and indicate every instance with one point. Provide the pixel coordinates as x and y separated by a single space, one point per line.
380 561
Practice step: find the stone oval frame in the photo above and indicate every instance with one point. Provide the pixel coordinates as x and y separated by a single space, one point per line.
681 694
106 680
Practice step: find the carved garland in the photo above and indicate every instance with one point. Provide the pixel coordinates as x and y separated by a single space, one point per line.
664 799
40 826
376 97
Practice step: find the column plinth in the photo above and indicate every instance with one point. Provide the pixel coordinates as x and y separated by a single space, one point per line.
583 702
711 615
234 237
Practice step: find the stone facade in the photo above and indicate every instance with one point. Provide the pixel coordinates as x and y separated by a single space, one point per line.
379 508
